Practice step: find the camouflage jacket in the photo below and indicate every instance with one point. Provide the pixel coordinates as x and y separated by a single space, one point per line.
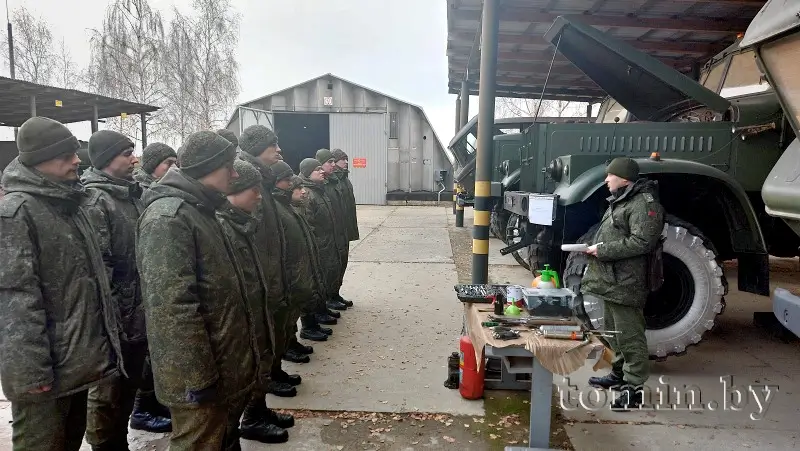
333 190
240 228
199 328
318 213
269 237
349 200
58 325
629 230
145 180
114 207
304 280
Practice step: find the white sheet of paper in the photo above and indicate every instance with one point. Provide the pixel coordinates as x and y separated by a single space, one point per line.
580 247
540 209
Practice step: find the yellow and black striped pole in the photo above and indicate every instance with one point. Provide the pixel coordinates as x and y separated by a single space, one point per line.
483 163
455 196
459 210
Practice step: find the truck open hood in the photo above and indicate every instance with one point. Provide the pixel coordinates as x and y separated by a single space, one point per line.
776 17
645 86
781 189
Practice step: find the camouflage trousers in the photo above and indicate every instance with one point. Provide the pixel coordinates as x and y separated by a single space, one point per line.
631 358
110 404
54 425
285 320
207 427
345 258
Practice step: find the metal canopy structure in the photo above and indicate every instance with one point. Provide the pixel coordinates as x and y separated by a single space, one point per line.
684 34
20 100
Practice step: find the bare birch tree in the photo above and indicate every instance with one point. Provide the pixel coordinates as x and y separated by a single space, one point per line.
179 78
506 107
126 62
34 59
66 73
215 40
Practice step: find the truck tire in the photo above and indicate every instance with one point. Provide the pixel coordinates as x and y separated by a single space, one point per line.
498 224
515 228
679 314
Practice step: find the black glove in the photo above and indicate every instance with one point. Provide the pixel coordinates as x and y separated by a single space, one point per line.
204 395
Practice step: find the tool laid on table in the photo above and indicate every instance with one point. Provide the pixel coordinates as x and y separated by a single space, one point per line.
505 333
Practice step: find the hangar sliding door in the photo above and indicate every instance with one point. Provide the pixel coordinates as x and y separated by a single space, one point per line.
362 136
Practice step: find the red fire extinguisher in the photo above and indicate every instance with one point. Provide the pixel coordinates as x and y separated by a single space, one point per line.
470 379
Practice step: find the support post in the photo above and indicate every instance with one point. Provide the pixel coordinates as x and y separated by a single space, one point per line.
459 211
464 97
483 163
33 106
144 129
94 119
458 113
589 110
455 195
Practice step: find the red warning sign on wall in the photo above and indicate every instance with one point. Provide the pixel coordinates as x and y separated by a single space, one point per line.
359 162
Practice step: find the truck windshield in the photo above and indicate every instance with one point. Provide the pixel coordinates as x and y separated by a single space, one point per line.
743 77
782 59
712 78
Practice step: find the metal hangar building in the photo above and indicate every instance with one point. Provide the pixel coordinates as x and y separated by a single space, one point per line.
395 154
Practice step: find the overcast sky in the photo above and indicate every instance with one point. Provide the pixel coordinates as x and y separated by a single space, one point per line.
398 48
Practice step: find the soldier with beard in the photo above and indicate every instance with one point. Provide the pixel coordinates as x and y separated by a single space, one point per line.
157 158
303 270
203 345
259 147
345 186
114 207
239 223
59 334
319 212
333 192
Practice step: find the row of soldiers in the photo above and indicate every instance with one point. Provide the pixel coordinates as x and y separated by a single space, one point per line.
168 293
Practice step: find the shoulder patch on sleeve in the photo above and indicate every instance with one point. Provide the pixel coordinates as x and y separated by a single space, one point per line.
166 206
648 197
10 204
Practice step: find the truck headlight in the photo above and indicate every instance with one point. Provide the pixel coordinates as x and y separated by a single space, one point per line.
555 170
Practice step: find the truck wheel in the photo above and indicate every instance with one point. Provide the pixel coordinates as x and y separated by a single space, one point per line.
685 307
515 230
498 224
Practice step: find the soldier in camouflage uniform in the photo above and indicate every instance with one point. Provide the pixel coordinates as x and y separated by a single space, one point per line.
239 223
345 186
319 212
59 334
203 345
114 209
157 158
617 275
311 327
303 271
333 191
259 146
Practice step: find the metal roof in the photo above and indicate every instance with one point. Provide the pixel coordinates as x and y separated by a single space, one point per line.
684 34
76 106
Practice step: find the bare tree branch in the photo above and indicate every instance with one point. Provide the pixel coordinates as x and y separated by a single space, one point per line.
34 59
66 73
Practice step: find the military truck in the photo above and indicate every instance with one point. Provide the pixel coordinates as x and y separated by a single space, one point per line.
774 37
709 155
508 139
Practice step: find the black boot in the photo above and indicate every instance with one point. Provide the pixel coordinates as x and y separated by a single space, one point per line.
283 420
256 425
611 380
292 356
282 376
148 414
325 330
323 318
121 445
333 313
630 397
300 348
313 335
343 300
281 389
336 305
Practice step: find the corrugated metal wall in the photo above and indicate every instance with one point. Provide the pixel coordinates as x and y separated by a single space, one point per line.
363 137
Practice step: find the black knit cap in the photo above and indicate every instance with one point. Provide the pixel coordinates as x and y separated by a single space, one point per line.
308 166
323 155
338 154
229 135
204 152
40 139
105 145
256 138
154 154
624 167
281 170
248 177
